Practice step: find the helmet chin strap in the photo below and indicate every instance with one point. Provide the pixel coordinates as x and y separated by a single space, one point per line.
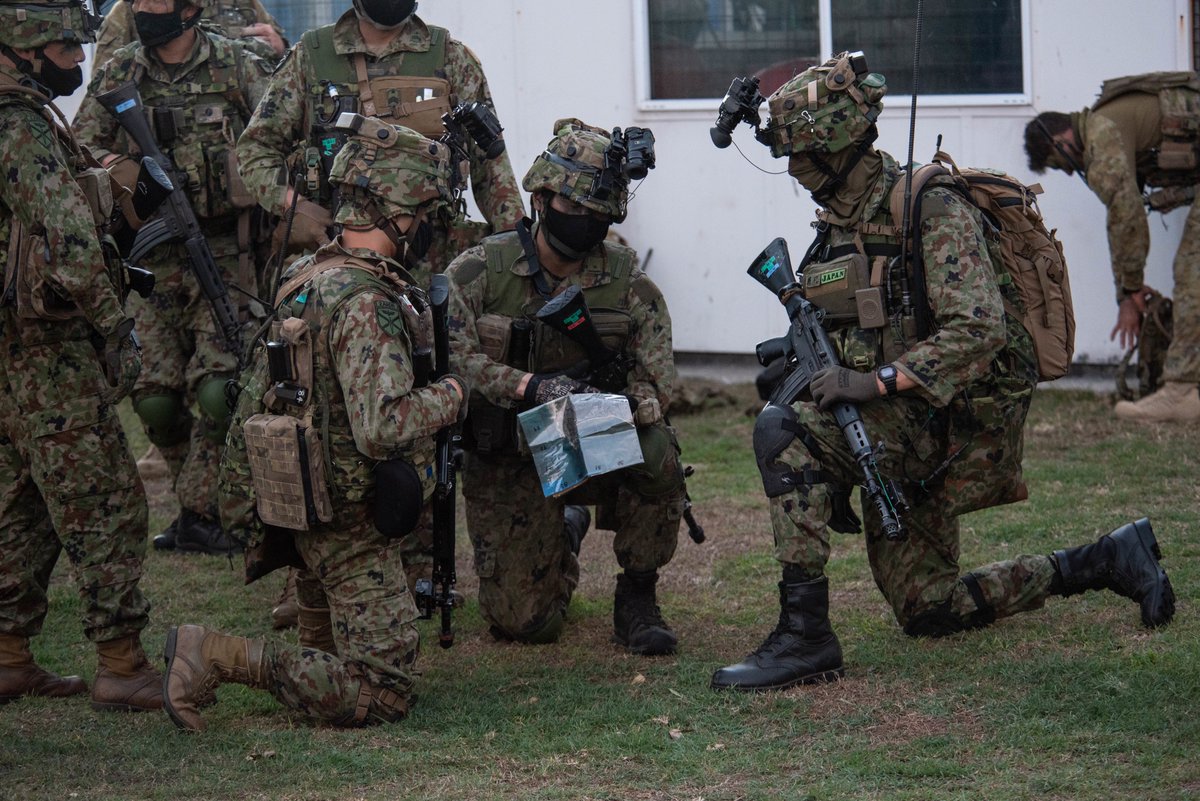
838 179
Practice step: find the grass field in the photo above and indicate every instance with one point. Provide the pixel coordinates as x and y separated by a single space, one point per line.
1076 701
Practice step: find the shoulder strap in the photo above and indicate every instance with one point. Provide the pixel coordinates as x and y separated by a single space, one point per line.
318 266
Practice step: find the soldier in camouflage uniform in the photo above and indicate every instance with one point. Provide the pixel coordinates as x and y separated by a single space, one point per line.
247 20
363 315
199 89
1134 138
962 377
527 564
67 481
382 60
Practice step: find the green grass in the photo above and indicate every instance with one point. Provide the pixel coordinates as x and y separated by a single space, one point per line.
1076 701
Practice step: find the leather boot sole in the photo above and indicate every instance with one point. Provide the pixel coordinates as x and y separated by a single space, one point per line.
820 677
1157 596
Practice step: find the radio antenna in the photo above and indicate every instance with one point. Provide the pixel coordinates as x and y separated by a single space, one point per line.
905 239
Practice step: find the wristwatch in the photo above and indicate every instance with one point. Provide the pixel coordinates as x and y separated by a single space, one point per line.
887 374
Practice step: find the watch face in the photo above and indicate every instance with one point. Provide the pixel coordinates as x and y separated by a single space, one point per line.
887 372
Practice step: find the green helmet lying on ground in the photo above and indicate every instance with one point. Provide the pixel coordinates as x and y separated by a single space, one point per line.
574 165
825 109
27 24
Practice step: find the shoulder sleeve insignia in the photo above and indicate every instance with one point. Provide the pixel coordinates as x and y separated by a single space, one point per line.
389 317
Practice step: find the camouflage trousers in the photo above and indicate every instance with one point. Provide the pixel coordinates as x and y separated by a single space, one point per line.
1183 356
360 574
526 570
181 350
919 575
67 483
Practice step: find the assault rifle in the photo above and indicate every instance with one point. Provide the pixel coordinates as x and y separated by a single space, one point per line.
808 350
176 222
441 594
607 369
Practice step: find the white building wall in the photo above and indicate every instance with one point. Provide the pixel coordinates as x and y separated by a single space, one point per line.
706 212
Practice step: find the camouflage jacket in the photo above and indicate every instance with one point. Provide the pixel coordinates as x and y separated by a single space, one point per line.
228 18
365 401
503 285
974 340
1117 141
207 100
40 191
281 127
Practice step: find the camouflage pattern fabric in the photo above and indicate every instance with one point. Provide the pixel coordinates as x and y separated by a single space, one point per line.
67 480
978 351
181 346
227 17
583 147
281 126
846 108
525 569
364 394
1116 140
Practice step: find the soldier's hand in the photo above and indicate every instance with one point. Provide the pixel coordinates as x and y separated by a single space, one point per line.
545 387
310 226
122 362
835 385
1129 318
268 34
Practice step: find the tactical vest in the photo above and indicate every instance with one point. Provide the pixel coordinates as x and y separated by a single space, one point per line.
404 88
196 123
349 473
26 270
1176 161
510 334
983 426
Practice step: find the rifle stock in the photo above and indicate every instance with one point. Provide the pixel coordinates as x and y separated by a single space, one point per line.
178 220
441 594
809 350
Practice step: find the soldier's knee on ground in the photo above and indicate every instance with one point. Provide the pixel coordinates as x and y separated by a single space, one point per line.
210 397
166 420
541 632
943 620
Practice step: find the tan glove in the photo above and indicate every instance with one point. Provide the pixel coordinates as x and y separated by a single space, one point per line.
310 227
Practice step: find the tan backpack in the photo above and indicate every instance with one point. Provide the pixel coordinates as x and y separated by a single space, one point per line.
1031 254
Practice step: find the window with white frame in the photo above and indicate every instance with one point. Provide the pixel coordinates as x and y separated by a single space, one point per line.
973 51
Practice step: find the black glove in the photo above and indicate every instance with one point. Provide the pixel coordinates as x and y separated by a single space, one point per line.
545 387
122 362
835 385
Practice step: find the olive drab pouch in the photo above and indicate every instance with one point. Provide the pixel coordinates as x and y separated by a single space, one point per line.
833 287
416 102
1030 256
554 351
495 332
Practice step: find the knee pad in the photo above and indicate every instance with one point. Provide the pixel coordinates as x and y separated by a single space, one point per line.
164 417
774 430
547 632
210 397
937 622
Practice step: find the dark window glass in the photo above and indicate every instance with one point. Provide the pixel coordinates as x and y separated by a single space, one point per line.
698 46
968 47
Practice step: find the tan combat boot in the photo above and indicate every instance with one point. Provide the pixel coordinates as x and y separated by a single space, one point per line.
20 675
287 608
1176 400
198 660
316 629
125 680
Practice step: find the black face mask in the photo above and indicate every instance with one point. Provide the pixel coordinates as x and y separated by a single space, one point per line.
385 14
59 81
158 29
573 236
420 237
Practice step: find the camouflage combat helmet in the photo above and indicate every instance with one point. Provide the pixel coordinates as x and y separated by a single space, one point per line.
825 109
36 23
393 170
573 165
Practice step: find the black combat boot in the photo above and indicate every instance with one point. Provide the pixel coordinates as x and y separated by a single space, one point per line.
1124 561
197 534
637 621
166 540
576 521
801 650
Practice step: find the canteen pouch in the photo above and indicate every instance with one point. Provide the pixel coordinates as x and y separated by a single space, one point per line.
287 464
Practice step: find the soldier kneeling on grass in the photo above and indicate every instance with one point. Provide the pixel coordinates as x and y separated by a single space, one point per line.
339 362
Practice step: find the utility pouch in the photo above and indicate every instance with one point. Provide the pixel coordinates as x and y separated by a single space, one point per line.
287 465
28 263
554 351
96 185
289 353
833 286
490 429
1174 154
235 188
495 331
1169 198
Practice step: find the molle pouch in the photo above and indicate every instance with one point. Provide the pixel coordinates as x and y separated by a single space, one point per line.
554 351
490 428
613 327
415 102
29 261
235 189
287 465
1177 155
290 353
97 187
495 332
833 287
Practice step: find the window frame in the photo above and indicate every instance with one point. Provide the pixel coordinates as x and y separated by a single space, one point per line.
641 34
